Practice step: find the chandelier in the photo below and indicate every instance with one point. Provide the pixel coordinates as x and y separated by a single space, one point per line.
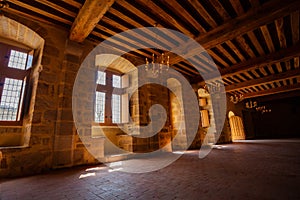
253 104
263 109
236 98
158 65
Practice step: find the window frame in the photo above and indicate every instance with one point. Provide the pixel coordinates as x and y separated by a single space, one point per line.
14 73
109 90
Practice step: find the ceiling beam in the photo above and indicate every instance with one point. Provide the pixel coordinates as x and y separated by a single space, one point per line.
238 26
285 95
255 63
37 10
269 79
286 88
88 17
258 62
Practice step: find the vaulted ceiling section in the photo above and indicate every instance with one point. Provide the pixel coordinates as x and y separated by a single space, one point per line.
254 43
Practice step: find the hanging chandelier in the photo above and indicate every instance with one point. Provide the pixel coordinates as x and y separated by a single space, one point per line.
237 98
253 104
158 65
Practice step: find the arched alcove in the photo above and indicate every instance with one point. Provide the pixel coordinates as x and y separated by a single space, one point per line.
114 62
177 115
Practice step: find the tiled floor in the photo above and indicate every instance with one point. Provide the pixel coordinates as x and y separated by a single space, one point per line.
268 169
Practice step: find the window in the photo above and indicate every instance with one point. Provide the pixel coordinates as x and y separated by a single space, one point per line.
116 108
108 101
101 78
116 81
100 106
15 64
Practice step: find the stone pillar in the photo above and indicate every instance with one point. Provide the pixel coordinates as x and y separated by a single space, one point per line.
65 132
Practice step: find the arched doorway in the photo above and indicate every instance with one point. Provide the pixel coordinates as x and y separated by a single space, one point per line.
236 126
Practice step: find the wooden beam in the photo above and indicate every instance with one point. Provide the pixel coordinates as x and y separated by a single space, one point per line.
143 15
121 37
269 79
220 9
254 18
237 7
177 8
88 17
202 11
40 11
58 8
161 13
280 32
226 54
285 95
286 88
137 24
12 13
73 3
267 37
235 50
256 43
126 47
258 62
242 43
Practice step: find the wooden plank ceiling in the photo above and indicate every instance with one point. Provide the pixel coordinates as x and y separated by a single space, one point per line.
254 43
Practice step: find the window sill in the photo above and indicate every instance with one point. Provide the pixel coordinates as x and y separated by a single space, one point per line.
11 123
98 137
11 137
14 147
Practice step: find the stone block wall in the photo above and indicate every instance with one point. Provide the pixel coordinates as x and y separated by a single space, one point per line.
53 138
37 156
149 95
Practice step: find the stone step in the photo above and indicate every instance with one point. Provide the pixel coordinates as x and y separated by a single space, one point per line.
117 157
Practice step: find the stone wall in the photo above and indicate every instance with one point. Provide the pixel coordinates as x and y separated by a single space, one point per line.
38 155
53 138
149 95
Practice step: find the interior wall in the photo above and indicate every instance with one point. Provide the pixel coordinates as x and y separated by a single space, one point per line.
38 156
149 95
53 141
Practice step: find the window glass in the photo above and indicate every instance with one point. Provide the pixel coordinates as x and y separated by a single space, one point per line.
116 81
100 107
13 82
116 108
29 61
17 60
10 99
101 77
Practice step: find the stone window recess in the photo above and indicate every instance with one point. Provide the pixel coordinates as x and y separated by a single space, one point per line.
111 100
15 67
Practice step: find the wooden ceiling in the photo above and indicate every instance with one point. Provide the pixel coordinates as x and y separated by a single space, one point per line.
254 43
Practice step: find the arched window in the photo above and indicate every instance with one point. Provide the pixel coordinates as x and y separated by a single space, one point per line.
15 67
20 64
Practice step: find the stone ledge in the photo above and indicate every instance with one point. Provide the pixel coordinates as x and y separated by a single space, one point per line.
14 147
